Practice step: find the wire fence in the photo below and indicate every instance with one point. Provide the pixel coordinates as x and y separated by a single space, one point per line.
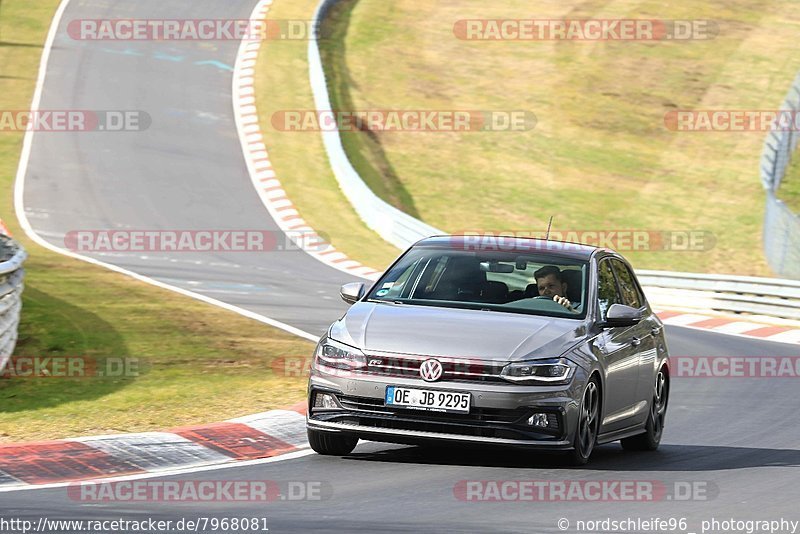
12 255
781 226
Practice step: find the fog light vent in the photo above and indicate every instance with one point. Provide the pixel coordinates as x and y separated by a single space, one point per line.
325 400
538 419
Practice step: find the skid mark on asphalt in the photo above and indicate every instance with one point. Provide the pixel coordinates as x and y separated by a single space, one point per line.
173 55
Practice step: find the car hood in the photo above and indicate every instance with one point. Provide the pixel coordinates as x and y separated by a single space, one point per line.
432 331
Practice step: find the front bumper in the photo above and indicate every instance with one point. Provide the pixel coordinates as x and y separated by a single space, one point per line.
498 412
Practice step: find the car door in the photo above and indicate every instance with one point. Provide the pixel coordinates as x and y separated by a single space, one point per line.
618 349
644 332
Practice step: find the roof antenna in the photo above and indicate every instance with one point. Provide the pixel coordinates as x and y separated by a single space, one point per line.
549 224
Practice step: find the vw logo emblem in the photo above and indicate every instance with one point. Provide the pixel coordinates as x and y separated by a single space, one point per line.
430 370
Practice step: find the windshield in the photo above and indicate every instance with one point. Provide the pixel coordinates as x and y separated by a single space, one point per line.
495 280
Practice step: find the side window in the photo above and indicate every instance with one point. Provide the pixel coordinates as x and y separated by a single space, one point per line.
435 274
630 293
396 288
606 288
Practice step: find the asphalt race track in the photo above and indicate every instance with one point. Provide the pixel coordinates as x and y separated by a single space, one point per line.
185 172
737 439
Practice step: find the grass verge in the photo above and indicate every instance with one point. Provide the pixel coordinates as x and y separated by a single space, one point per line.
299 158
600 157
198 363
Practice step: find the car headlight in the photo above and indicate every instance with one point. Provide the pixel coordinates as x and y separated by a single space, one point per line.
554 371
337 355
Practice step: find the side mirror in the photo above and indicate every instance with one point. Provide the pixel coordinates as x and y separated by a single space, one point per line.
352 292
621 315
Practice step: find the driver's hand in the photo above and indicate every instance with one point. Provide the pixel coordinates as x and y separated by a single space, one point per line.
564 301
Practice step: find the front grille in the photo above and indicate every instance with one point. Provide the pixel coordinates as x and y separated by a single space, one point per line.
440 428
476 415
454 369
486 430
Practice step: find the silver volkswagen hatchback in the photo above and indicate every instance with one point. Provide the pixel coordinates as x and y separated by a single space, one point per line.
503 341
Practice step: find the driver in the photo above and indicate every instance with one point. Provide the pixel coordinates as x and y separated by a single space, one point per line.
551 284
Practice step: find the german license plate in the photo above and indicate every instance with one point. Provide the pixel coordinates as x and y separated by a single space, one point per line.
424 399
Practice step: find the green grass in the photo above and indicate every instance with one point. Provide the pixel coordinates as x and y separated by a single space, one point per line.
299 158
363 147
199 363
600 157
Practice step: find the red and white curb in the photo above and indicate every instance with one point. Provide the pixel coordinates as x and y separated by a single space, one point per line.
262 435
262 174
782 333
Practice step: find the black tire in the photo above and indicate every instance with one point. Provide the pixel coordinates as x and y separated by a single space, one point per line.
654 428
331 444
588 424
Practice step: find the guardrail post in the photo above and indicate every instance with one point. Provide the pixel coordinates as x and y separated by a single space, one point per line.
12 256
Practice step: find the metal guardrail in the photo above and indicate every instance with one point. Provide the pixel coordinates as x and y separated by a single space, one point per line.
12 255
781 225
738 294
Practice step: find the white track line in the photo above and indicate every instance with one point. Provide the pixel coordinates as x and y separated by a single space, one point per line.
19 207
